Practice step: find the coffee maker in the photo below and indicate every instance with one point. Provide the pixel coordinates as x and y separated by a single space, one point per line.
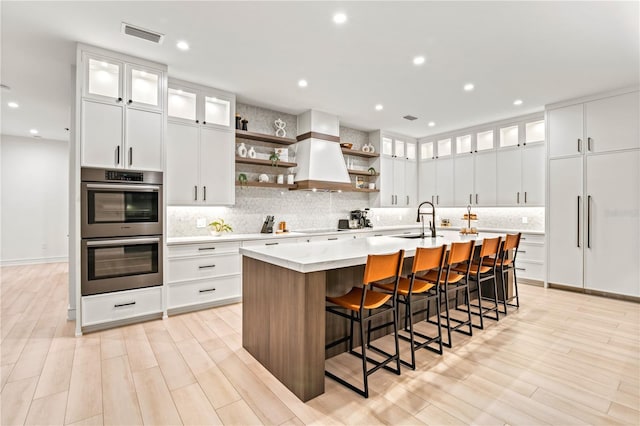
360 218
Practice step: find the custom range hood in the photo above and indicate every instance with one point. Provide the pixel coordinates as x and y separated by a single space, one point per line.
321 166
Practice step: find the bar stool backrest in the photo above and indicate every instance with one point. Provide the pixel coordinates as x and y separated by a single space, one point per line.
427 258
382 266
460 252
511 242
490 247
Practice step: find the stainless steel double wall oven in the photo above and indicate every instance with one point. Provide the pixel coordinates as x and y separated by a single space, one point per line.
122 227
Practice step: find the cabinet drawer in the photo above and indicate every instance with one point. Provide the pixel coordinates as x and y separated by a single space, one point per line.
204 291
531 252
530 270
271 242
329 238
190 268
532 238
108 307
202 249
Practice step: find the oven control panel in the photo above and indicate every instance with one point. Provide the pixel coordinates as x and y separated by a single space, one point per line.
124 176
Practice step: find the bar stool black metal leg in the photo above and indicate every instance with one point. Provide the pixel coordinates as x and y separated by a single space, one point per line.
364 356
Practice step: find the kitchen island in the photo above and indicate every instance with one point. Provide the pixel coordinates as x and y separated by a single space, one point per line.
284 288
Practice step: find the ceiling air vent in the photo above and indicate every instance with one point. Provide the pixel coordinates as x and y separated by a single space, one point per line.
410 117
148 35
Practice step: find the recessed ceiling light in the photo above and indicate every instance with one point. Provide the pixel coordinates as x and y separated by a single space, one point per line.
33 131
469 87
431 124
379 107
418 60
182 45
13 105
303 83
339 18
517 102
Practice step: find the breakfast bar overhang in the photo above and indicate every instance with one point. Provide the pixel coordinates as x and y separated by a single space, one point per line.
284 288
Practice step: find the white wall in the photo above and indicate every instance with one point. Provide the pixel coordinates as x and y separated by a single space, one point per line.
34 196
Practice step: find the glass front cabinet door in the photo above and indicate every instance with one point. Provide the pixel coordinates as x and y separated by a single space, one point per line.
144 87
103 77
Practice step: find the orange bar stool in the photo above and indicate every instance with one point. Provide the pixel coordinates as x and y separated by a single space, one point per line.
505 262
411 291
452 282
484 269
362 305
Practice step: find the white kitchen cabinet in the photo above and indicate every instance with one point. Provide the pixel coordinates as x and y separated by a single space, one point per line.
200 165
612 239
217 166
121 113
427 181
398 170
601 125
594 198
463 180
127 305
193 103
444 182
520 176
485 179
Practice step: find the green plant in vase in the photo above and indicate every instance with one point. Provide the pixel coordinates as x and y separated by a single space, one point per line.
242 178
275 159
218 227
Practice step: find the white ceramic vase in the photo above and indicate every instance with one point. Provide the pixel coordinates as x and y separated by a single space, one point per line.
241 150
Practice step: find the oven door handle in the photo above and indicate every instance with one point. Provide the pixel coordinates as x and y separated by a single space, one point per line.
124 242
137 188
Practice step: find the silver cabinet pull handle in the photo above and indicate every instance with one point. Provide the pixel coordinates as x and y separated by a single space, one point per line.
579 145
118 154
521 251
204 193
377 235
432 199
525 197
588 221
521 269
206 266
578 230
120 305
470 198
518 198
271 244
195 191
206 290
392 200
476 198
407 200
206 248
332 239
130 156
588 144
438 199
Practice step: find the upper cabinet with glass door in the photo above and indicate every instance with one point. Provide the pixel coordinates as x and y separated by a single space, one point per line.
200 105
398 148
522 133
113 81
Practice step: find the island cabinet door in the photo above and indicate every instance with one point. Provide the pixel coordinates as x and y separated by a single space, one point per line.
612 224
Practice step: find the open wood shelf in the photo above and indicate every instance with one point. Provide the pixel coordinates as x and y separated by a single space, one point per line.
346 151
365 190
267 185
260 162
243 134
362 173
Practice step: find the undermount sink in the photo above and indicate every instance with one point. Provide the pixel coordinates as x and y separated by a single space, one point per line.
413 237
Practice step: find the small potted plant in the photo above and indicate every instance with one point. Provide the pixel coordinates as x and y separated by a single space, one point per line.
242 179
218 227
275 159
372 171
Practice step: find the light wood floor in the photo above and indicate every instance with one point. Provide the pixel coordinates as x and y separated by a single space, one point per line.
562 359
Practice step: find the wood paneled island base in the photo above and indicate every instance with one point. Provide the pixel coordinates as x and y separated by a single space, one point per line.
283 324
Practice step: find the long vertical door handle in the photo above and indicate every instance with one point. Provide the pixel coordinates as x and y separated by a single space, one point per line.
525 197
195 191
118 154
579 145
578 230
518 198
204 193
432 199
476 198
470 198
589 144
437 199
407 200
392 200
130 155
588 221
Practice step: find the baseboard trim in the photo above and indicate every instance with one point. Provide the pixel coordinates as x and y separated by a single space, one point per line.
202 306
595 292
528 281
18 262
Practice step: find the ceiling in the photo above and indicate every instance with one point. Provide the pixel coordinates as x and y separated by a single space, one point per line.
540 52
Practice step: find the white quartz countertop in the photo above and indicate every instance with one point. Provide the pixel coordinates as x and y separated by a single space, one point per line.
324 255
309 232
